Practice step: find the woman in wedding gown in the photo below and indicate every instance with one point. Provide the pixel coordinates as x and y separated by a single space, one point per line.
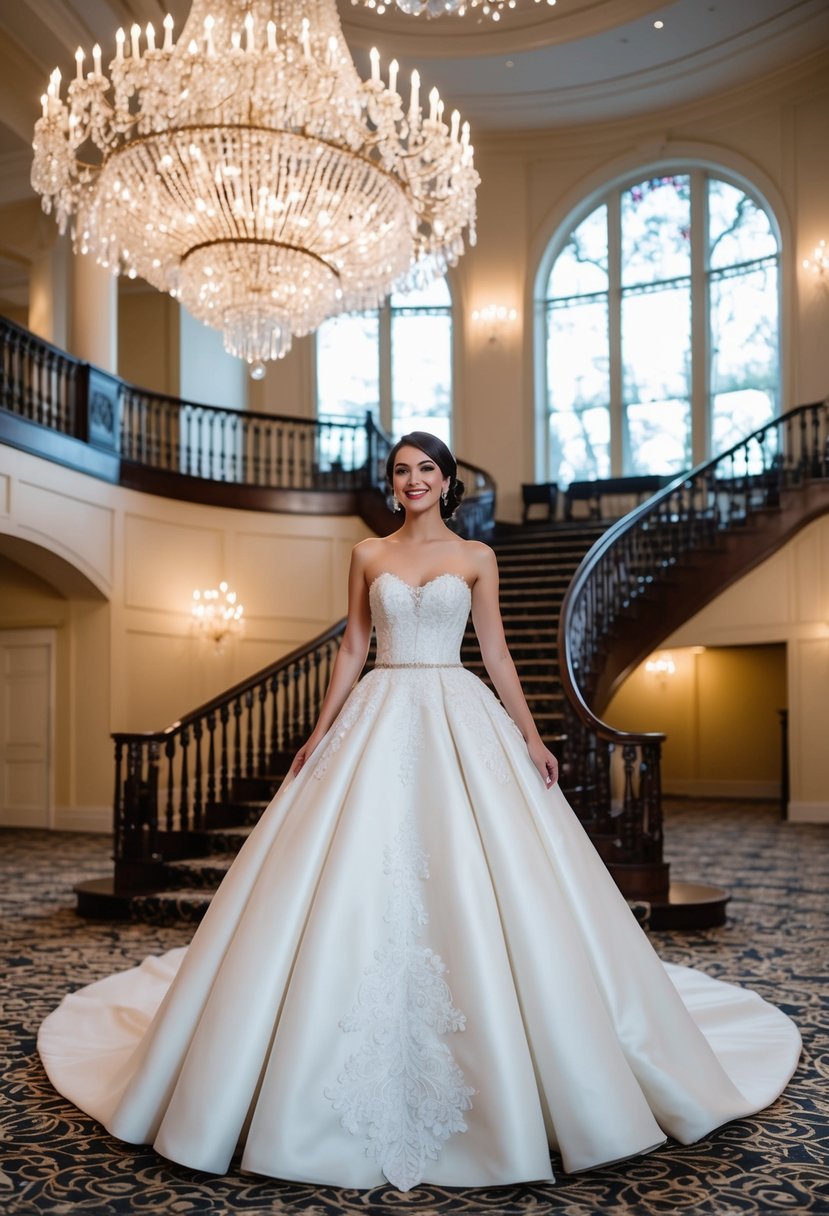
417 968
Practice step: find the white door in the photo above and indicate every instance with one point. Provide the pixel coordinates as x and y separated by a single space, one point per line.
26 715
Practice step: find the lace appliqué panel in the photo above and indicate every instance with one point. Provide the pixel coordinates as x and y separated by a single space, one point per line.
464 705
402 1088
420 691
361 703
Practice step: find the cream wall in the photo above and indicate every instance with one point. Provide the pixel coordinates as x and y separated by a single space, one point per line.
784 600
126 658
719 712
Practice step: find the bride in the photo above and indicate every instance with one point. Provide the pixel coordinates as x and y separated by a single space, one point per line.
417 968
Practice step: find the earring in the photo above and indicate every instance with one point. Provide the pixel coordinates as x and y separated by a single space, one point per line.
395 505
445 496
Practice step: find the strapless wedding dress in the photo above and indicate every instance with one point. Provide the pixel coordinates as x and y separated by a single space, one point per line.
416 969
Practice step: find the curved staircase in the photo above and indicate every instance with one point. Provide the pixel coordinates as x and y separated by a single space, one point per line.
185 796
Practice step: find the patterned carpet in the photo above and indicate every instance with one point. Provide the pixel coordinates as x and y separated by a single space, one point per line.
57 1160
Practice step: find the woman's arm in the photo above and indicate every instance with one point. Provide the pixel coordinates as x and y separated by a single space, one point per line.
486 617
350 658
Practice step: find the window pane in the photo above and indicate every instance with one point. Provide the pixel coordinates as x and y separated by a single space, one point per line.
744 353
656 371
578 391
348 374
656 230
348 380
739 231
422 374
435 294
581 267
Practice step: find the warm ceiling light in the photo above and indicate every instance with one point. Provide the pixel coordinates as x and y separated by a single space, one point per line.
247 170
818 263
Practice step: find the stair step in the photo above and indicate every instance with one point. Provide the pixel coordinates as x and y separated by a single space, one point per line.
199 873
227 840
186 905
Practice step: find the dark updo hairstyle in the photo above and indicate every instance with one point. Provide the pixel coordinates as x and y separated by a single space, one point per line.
437 451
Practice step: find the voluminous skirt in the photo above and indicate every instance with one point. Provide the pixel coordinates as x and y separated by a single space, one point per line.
416 969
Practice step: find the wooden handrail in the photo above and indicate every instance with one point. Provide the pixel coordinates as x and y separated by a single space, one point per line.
168 782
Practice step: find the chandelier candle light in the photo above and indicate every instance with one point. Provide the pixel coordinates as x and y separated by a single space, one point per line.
216 613
247 170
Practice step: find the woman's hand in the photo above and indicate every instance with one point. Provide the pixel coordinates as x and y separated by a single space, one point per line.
544 761
303 753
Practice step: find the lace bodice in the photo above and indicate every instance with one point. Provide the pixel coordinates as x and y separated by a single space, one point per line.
419 624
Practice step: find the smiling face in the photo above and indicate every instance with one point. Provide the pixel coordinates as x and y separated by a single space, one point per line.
417 481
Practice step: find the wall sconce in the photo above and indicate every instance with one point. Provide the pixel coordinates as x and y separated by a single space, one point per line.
496 318
661 665
818 263
217 614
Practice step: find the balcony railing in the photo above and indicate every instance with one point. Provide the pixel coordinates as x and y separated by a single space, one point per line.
162 444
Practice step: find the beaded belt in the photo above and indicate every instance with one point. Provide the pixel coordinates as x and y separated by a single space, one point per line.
417 665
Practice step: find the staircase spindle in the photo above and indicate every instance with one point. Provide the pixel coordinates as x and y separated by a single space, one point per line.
169 811
184 799
249 733
262 734
211 760
224 783
198 803
237 739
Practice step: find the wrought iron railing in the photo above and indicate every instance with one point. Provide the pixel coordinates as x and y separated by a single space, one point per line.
616 774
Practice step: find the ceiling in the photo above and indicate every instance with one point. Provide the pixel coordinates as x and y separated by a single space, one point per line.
539 67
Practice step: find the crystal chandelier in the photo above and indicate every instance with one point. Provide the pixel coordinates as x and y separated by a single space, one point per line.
246 169
477 9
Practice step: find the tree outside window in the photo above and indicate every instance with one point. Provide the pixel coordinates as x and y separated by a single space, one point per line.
662 328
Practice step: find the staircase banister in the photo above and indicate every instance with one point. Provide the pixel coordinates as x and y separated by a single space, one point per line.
487 480
349 423
628 524
237 690
7 323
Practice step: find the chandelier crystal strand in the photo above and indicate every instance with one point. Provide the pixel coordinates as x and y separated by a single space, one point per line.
475 9
245 168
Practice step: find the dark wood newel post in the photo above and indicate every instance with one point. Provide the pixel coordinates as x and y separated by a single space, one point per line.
98 413
371 450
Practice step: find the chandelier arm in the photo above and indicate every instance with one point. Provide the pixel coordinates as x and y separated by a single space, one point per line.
264 241
315 140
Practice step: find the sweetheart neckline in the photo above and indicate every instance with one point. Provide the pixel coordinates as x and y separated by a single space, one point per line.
415 588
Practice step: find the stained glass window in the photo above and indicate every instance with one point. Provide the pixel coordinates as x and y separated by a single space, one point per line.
656 262
396 362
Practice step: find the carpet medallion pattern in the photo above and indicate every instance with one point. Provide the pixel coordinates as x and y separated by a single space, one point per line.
59 1161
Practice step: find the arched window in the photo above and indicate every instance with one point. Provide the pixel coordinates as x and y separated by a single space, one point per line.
396 362
661 327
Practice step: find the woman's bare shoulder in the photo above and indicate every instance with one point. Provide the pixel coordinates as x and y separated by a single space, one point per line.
482 554
365 549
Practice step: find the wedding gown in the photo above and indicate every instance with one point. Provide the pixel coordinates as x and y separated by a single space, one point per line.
416 969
